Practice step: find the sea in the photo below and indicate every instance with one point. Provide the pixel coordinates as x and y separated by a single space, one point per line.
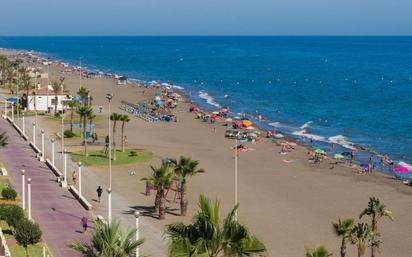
355 92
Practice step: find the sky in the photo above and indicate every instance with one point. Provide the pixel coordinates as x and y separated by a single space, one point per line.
205 17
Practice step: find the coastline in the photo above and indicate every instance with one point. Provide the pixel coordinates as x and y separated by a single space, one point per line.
265 177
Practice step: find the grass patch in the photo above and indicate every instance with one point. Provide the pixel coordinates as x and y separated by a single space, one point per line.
98 158
18 251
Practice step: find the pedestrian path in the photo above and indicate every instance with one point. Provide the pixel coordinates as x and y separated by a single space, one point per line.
54 208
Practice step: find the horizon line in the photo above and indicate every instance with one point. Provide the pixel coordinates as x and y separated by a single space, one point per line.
212 35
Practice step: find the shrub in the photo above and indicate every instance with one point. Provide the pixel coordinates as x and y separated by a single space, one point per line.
12 214
133 154
9 193
69 134
27 233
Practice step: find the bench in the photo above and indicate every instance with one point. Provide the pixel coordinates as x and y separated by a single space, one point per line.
81 199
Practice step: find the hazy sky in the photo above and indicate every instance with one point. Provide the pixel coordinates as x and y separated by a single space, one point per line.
205 17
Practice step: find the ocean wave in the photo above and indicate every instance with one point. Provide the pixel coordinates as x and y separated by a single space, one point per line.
406 165
210 100
310 136
341 140
306 125
276 124
178 87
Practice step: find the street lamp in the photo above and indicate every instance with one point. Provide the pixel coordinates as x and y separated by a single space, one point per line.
109 190
52 142
236 152
137 215
34 133
80 178
42 146
62 135
5 108
109 198
23 189
65 167
12 112
23 125
29 196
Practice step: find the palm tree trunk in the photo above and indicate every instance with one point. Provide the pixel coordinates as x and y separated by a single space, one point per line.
183 201
373 250
162 207
123 136
55 104
114 141
27 251
84 134
157 200
343 248
71 121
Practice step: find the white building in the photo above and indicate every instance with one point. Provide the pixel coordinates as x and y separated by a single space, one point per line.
44 100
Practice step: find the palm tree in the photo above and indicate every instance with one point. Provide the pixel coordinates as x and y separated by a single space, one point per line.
91 118
4 62
360 235
73 105
84 112
318 251
208 237
343 229
114 117
83 93
124 118
161 179
376 211
3 139
25 80
184 167
109 240
57 86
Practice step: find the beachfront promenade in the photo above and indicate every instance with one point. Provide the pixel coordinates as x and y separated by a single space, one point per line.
56 211
57 205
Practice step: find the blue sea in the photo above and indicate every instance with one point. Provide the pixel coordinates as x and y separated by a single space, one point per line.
348 90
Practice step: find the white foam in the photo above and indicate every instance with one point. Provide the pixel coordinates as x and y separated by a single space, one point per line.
306 125
406 165
275 124
310 136
341 140
210 100
178 87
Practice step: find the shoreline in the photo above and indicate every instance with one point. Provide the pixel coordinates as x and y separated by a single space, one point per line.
291 136
293 197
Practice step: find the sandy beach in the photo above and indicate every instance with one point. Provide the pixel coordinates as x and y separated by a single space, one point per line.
286 201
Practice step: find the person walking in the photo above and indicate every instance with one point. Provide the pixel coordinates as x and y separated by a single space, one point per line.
84 223
99 192
74 177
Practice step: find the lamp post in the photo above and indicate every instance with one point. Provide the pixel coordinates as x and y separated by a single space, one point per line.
52 142
235 198
109 198
23 125
109 190
12 112
137 215
23 189
62 136
29 196
5 108
42 146
65 167
34 133
80 178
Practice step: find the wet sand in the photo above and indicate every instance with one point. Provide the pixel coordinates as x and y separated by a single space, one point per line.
288 205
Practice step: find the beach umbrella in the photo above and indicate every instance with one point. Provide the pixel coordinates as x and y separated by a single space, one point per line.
319 151
247 123
401 169
12 99
339 156
236 118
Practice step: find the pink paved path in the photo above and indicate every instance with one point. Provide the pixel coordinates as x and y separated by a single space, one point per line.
54 208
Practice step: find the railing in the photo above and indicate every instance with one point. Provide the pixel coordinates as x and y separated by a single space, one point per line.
4 249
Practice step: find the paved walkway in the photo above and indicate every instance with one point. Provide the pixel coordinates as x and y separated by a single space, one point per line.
54 208
154 245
